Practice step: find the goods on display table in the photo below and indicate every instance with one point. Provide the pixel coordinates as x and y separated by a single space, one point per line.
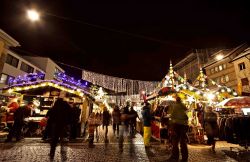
43 94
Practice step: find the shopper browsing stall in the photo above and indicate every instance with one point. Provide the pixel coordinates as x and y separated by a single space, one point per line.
19 116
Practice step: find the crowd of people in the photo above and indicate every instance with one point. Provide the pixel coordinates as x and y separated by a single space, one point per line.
63 122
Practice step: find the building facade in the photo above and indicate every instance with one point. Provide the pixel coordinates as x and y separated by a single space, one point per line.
13 65
242 70
47 65
190 65
222 70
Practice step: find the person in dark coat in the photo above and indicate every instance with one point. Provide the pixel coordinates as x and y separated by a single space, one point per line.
133 116
147 118
105 120
19 115
75 121
46 132
60 118
211 126
179 126
116 115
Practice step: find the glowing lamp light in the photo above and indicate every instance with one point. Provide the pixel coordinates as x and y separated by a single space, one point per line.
229 90
219 57
33 15
210 96
198 92
10 90
235 94
223 90
190 99
191 88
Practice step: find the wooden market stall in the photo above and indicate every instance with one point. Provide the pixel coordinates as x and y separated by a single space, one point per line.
44 93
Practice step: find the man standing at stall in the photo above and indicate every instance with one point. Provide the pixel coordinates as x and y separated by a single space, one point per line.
75 118
19 115
147 118
179 126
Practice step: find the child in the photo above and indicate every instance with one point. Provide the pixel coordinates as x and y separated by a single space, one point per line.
91 128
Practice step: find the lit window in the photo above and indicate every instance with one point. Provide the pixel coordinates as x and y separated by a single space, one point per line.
216 69
226 78
242 66
4 78
220 67
212 70
222 80
224 66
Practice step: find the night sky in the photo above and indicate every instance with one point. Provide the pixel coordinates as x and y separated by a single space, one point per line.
130 40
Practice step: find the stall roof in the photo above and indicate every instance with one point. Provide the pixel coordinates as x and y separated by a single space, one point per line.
47 83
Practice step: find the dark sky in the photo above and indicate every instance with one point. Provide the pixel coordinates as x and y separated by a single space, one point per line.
157 32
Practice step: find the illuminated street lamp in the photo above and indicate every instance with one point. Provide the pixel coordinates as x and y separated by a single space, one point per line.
33 15
219 57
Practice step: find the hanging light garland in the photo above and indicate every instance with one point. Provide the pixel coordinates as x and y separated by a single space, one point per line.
46 83
116 84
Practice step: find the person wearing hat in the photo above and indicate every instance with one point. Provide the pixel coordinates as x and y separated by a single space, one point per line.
179 126
19 116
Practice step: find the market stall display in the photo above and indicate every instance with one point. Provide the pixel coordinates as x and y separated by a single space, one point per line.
44 94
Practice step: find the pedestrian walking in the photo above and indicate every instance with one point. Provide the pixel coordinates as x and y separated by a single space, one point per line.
75 120
211 126
116 116
105 121
91 128
60 118
123 127
98 122
147 118
133 116
19 116
179 126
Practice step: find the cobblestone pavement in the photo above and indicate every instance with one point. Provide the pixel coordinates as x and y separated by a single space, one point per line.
203 153
33 150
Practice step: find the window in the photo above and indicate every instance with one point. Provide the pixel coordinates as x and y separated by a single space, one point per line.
4 78
216 69
244 81
57 70
11 60
220 67
222 79
212 70
26 68
40 74
242 66
217 80
226 78
224 66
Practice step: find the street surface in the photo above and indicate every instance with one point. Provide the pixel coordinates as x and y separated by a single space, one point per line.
34 150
